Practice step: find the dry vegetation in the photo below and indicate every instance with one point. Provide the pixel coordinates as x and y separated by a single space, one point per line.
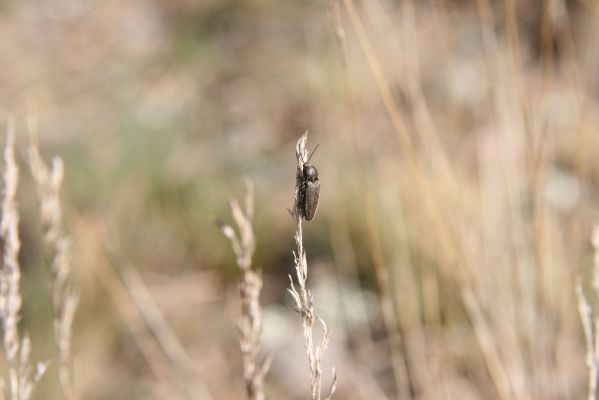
452 246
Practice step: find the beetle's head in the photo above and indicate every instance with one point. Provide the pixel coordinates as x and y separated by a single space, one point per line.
310 172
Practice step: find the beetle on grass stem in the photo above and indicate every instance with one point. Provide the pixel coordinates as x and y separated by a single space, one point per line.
309 189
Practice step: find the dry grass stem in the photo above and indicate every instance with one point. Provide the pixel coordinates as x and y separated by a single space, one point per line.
65 298
592 358
250 286
22 379
399 364
590 325
134 314
128 286
458 263
303 301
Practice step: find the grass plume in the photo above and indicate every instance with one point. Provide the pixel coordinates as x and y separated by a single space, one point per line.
22 377
250 323
64 298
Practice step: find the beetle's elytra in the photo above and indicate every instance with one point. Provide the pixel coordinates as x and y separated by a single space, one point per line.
309 191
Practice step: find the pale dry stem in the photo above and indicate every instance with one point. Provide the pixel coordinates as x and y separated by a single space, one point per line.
250 286
399 364
586 318
302 298
147 326
459 265
590 325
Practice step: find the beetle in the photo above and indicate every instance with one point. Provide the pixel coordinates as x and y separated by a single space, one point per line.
309 189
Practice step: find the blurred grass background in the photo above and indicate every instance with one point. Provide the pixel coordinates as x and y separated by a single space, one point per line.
161 108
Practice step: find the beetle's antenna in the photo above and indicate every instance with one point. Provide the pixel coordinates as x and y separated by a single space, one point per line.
313 151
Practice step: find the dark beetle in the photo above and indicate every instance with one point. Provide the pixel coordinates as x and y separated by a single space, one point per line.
309 190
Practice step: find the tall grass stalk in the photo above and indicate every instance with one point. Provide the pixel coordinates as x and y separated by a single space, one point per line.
404 381
302 297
